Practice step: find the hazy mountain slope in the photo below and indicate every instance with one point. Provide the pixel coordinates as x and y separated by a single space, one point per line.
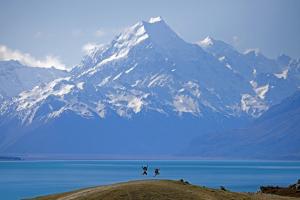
275 135
271 80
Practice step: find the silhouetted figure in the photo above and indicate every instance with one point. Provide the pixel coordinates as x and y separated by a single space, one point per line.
145 169
156 172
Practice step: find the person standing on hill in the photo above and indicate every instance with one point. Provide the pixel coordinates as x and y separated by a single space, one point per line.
145 169
156 172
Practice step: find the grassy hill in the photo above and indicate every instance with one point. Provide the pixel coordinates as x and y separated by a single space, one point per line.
157 190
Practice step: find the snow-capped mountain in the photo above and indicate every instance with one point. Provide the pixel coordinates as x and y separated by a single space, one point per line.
271 80
249 63
144 87
15 77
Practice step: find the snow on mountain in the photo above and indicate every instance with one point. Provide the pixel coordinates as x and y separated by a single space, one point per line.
283 74
148 67
147 72
155 19
242 63
268 78
15 77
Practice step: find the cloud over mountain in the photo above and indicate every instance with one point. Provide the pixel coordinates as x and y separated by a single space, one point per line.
49 61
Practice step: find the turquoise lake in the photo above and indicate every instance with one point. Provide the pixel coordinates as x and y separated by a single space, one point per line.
24 179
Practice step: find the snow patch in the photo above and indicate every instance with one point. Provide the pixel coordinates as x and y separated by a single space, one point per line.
253 84
282 75
253 105
65 89
193 88
58 87
118 76
136 83
123 102
158 80
255 51
185 104
104 81
261 91
80 85
155 19
254 72
181 90
228 66
121 54
78 108
222 58
56 113
130 69
135 104
81 109
100 108
208 41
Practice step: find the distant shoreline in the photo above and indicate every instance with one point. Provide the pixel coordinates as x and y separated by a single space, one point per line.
47 157
10 158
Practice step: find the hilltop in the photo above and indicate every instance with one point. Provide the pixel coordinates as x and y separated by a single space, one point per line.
158 190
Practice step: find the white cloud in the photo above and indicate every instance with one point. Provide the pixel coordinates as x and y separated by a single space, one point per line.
87 48
26 59
100 33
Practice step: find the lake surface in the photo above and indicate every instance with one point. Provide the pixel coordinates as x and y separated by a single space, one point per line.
20 179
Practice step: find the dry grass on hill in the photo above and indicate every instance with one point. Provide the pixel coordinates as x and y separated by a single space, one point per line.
157 190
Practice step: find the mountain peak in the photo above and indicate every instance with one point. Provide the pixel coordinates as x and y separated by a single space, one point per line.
206 42
153 20
155 30
143 29
217 46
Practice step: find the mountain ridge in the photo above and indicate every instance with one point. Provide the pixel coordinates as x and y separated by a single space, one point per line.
145 78
15 77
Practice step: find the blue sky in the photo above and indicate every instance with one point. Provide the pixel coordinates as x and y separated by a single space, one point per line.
56 31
